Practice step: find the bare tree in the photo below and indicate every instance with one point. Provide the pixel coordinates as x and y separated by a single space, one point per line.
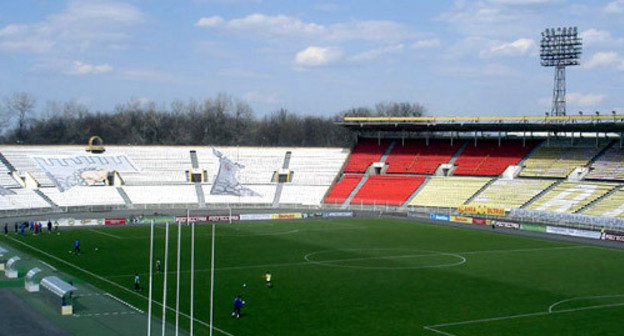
19 105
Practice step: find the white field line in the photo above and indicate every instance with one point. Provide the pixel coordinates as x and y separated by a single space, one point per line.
124 303
50 266
106 234
112 283
438 331
550 309
104 314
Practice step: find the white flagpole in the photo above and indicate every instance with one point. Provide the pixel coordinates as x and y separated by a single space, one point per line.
192 268
164 305
149 295
177 309
212 262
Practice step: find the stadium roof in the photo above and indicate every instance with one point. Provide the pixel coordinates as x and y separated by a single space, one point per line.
581 123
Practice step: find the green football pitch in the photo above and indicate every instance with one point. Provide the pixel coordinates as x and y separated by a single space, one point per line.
359 277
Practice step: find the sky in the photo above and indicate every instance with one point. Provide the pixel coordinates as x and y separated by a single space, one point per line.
313 57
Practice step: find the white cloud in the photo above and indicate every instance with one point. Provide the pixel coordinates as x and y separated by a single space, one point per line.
603 59
372 54
288 26
615 7
212 21
600 37
590 99
426 44
518 47
81 68
317 56
82 25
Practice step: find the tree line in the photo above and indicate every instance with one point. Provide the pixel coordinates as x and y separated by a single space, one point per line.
222 120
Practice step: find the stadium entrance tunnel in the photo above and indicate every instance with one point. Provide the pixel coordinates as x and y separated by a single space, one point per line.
387 258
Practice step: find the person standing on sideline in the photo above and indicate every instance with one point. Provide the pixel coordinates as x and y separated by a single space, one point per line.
267 278
137 286
77 247
49 227
238 304
6 229
56 228
158 266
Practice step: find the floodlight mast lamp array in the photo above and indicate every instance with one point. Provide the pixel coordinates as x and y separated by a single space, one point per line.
560 47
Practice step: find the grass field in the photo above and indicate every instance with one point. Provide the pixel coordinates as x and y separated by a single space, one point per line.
362 277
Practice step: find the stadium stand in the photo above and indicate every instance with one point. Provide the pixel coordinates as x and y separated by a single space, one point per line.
487 158
387 189
609 166
559 158
21 158
259 162
511 193
442 191
5 178
612 205
571 196
305 195
365 152
416 157
84 196
170 194
156 164
22 199
266 194
342 188
315 166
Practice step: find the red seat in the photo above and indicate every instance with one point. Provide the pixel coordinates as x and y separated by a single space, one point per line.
365 152
415 157
490 159
387 189
343 188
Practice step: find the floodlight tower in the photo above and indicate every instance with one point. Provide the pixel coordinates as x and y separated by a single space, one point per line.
559 48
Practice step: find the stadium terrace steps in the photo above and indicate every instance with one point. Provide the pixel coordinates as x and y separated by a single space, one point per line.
571 196
559 158
365 152
462 146
511 193
45 198
124 196
487 158
608 166
194 161
356 189
415 157
343 188
278 194
611 204
541 193
387 189
201 200
480 191
597 200
413 195
448 191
